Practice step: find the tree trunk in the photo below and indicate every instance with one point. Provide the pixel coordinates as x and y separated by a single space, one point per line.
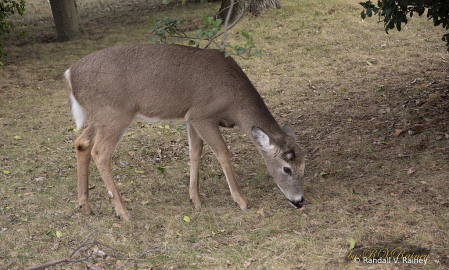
256 8
66 19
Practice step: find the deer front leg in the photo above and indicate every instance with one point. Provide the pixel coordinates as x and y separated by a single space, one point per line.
83 146
195 150
210 133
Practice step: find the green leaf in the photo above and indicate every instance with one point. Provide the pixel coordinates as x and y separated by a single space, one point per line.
140 172
369 12
258 53
161 169
246 35
351 243
58 234
240 50
191 42
186 219
17 137
6 172
227 54
151 22
178 234
369 63
193 239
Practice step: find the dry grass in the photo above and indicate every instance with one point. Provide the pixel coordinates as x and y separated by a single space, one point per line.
325 72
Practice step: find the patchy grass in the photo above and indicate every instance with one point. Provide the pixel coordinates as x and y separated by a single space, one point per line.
345 85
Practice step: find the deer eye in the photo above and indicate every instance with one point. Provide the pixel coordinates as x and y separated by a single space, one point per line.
287 170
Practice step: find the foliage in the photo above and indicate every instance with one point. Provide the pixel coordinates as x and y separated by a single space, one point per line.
7 9
394 13
168 27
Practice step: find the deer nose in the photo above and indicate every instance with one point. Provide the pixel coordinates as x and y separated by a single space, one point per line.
298 204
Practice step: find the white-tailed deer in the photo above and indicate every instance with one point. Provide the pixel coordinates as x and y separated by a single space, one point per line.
111 87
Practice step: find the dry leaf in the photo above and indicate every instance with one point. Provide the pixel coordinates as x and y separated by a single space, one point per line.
412 209
399 132
418 128
116 225
260 212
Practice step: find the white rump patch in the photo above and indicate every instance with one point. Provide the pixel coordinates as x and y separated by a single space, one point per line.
78 112
67 77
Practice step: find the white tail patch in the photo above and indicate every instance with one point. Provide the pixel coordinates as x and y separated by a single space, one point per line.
67 77
77 111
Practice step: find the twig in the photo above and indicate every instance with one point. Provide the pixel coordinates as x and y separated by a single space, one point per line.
228 16
68 259
138 257
230 27
228 8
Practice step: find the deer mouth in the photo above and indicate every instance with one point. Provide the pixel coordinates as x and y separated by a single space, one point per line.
298 204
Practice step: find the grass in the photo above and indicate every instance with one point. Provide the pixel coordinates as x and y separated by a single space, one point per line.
325 72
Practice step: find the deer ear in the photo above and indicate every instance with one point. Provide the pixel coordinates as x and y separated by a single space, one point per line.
262 139
289 130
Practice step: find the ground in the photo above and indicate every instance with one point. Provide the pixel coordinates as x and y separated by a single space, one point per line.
370 110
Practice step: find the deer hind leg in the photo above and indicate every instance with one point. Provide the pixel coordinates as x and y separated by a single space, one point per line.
107 137
83 146
211 135
195 150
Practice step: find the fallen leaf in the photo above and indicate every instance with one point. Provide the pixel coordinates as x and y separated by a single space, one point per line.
412 209
116 225
260 212
58 234
186 219
193 239
400 132
351 243
17 137
418 128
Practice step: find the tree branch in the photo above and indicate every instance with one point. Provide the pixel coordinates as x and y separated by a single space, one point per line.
230 27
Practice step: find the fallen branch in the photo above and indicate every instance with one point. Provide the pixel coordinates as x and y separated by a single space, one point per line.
89 244
69 259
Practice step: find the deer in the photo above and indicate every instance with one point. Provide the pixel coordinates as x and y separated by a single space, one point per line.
160 82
